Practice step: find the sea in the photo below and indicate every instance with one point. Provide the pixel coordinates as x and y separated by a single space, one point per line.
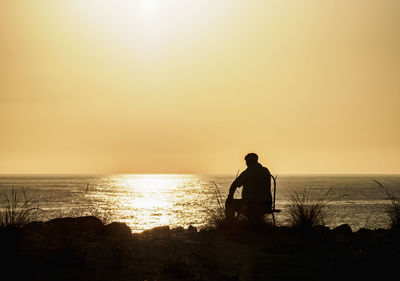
150 200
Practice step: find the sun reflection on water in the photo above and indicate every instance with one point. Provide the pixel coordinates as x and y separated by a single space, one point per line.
153 200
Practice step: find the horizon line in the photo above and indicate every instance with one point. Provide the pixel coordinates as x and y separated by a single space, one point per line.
225 174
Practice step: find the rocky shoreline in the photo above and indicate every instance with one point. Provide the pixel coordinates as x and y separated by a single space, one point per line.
84 248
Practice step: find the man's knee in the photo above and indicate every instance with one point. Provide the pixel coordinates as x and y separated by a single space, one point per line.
233 206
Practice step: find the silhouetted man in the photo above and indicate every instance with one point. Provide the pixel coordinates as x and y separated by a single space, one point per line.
256 193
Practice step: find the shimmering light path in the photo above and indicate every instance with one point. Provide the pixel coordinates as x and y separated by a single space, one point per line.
146 201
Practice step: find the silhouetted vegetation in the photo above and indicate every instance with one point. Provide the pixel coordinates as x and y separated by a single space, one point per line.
216 215
307 210
17 208
392 210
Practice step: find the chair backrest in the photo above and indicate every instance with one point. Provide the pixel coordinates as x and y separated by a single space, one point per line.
273 198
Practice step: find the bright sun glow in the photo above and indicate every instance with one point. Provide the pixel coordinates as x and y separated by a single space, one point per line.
149 10
147 22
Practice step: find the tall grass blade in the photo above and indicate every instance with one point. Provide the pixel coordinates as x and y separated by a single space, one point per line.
393 210
17 209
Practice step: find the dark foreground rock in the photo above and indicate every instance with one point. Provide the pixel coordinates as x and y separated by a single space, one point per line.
85 249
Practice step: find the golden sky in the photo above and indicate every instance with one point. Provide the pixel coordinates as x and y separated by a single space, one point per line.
182 86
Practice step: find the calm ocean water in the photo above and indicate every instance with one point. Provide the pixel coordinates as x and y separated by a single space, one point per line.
146 201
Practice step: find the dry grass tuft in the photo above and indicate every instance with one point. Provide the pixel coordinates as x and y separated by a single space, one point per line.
306 210
17 208
216 215
393 210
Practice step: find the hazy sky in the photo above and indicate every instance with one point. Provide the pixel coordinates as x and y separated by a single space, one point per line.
179 86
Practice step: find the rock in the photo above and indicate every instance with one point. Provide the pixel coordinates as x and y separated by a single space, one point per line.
363 236
118 230
156 231
80 225
343 229
364 231
178 229
60 236
191 229
381 231
321 229
33 228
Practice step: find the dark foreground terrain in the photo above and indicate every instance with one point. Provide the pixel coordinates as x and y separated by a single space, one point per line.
85 249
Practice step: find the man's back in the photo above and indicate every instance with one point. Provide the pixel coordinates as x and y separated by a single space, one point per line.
256 181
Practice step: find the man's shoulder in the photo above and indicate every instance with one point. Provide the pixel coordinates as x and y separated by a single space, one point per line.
265 169
244 173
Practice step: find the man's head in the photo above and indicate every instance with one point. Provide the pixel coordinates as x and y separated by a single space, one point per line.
251 158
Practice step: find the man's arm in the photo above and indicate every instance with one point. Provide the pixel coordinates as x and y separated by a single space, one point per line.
236 183
232 190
